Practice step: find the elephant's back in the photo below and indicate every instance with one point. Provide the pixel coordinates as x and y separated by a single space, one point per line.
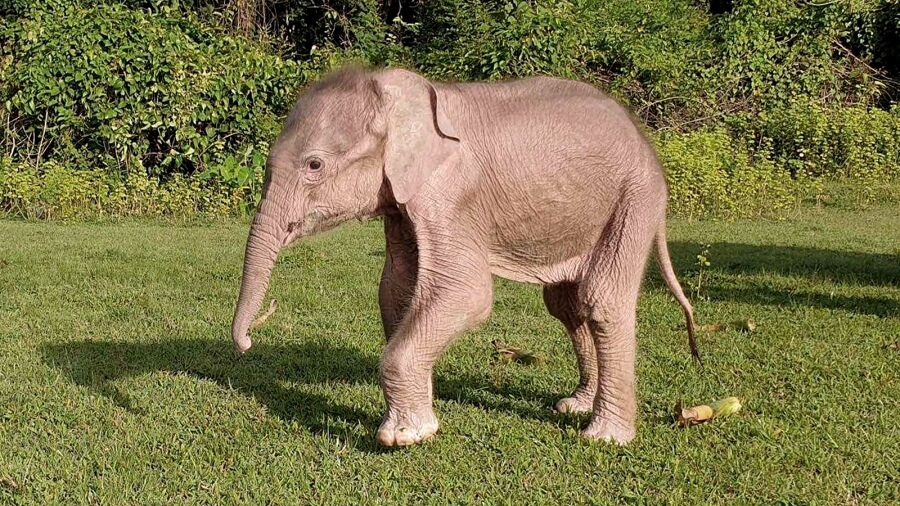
540 123
554 157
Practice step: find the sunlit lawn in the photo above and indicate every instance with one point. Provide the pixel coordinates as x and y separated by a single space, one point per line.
119 385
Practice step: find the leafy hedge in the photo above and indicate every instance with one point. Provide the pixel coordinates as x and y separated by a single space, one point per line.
754 108
129 92
708 174
58 191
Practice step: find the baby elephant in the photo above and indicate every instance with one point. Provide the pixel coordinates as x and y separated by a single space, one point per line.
539 180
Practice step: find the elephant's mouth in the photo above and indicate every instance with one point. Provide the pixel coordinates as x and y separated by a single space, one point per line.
316 221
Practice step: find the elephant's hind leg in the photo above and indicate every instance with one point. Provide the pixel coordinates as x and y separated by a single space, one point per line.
609 293
562 303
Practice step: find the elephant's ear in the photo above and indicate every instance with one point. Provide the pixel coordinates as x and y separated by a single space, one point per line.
418 134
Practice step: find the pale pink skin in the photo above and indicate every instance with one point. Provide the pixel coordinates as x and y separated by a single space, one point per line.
540 180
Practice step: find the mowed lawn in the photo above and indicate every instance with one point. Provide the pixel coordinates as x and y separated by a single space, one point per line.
119 384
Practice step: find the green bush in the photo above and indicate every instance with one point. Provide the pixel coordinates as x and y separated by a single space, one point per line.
543 37
873 32
157 107
59 192
113 87
709 174
56 193
849 142
658 42
19 189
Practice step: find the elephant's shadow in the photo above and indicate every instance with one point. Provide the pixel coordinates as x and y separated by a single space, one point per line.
261 374
264 372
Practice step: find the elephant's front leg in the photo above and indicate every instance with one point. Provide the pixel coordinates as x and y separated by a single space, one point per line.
453 294
398 278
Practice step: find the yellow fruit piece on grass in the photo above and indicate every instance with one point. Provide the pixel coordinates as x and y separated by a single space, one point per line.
726 406
700 414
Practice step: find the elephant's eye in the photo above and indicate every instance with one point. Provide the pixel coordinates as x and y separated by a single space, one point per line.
315 164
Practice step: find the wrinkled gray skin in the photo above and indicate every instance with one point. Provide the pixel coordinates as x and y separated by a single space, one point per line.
540 180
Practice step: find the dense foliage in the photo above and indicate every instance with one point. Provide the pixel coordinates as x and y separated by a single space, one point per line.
754 104
134 94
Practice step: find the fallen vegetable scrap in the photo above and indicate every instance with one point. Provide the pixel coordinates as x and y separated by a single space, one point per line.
744 326
699 414
506 353
273 305
9 483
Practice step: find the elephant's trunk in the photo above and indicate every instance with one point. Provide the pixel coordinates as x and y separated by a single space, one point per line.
265 240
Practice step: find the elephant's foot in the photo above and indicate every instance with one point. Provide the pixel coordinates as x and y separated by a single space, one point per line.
407 427
605 430
581 401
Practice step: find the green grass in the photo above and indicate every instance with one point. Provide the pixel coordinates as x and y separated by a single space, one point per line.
118 383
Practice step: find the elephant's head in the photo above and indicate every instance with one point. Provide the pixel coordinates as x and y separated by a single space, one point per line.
354 144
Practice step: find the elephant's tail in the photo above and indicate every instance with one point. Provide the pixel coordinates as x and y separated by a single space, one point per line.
668 274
